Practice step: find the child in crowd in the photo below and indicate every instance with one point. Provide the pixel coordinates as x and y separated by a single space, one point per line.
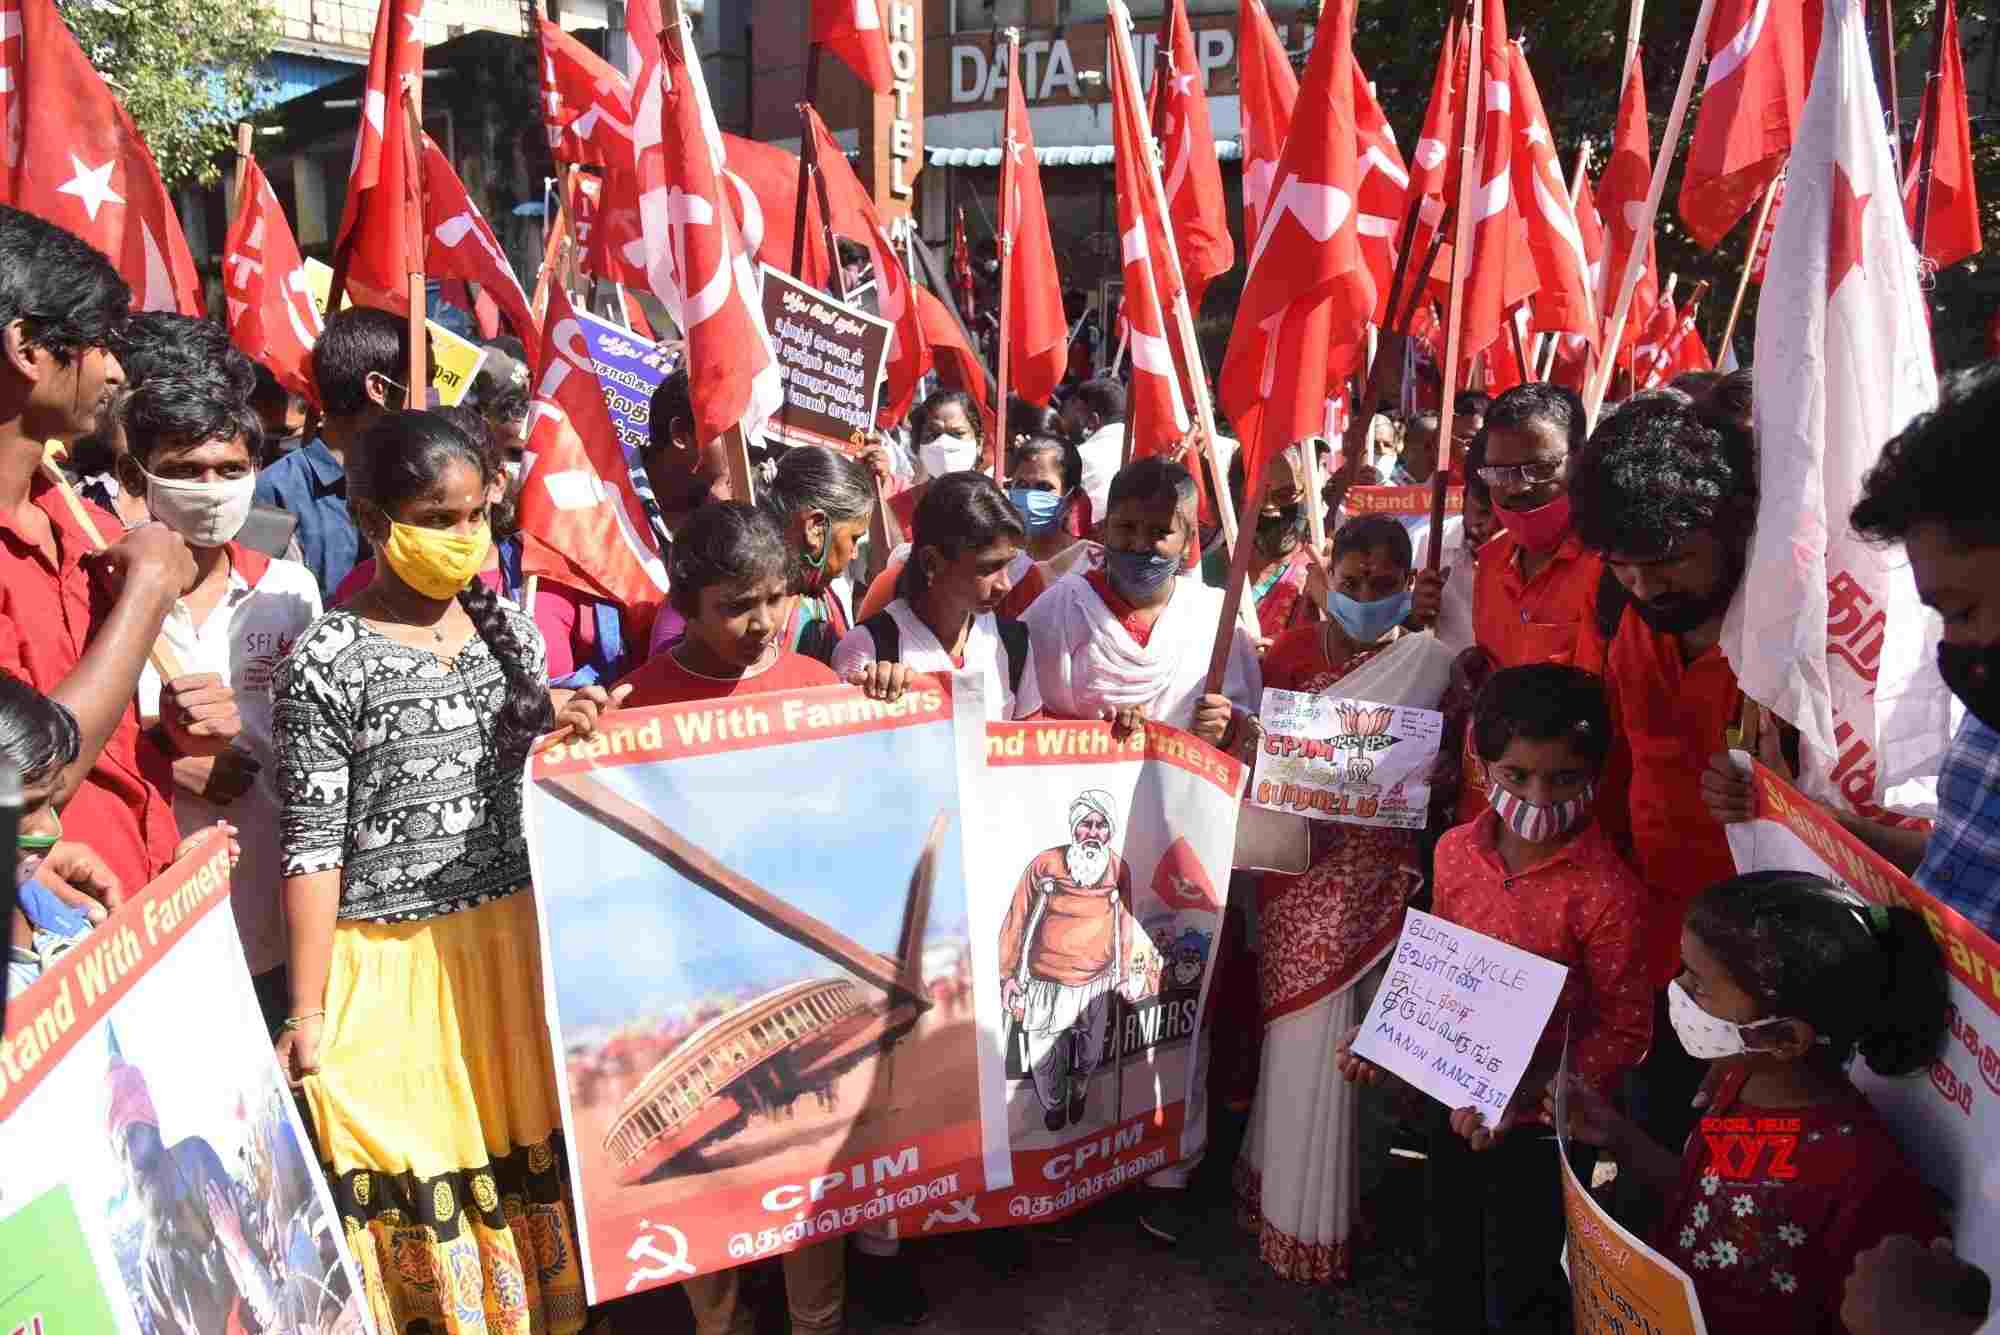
1783 978
1537 872
39 739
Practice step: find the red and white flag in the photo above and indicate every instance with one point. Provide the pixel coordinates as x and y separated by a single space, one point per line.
1500 272
1951 228
1266 92
381 219
1653 355
854 216
1435 161
272 315
1759 60
1566 299
577 495
1156 415
853 30
764 184
1193 176
1760 253
459 244
1621 192
1827 630
1384 194
1037 334
586 104
74 157
1308 294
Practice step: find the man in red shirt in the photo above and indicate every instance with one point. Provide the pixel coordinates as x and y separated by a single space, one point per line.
1668 497
77 625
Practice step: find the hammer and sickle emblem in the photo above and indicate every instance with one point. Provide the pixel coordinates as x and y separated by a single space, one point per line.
666 1264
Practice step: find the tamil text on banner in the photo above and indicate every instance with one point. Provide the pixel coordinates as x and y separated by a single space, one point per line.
1403 502
1459 1014
629 369
832 356
1356 761
757 975
455 361
181 1193
1948 1118
1618 1285
1096 870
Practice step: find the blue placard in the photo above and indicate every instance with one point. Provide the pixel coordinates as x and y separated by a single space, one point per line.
629 369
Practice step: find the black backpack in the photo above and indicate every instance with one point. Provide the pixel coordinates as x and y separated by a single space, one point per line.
888 637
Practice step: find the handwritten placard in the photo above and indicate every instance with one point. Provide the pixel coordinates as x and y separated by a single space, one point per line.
1355 761
1460 1014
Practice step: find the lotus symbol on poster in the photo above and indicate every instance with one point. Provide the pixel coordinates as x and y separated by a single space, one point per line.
665 1264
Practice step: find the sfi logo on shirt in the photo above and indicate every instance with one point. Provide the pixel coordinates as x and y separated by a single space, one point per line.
1751 1148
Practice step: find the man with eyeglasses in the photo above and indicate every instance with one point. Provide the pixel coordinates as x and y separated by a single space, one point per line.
358 366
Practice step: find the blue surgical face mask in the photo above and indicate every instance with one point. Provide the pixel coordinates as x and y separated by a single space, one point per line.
1366 623
1139 575
1039 509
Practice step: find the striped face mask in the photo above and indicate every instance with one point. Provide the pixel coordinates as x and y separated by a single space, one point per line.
1539 822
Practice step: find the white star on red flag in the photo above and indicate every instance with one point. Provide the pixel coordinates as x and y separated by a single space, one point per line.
92 185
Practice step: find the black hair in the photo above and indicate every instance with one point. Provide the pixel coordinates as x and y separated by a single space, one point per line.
508 344
1861 975
1697 385
1731 398
1040 442
725 541
66 294
1426 421
1470 403
1375 533
358 342
1475 459
1539 404
185 384
943 399
1152 478
1103 396
813 477
672 402
1925 475
269 394
1543 702
402 456
959 512
1657 471
38 735
1031 419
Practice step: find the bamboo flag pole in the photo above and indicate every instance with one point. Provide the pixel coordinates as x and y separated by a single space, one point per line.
1008 221
1750 259
1633 23
1629 280
163 658
245 138
1468 173
413 216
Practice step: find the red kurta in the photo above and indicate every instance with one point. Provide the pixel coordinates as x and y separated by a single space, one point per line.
662 681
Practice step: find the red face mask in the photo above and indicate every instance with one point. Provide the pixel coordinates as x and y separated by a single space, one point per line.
1540 529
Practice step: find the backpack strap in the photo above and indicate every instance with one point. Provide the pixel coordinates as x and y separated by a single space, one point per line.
888 637
1014 639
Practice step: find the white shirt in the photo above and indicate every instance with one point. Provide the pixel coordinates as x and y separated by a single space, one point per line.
920 651
245 637
1103 453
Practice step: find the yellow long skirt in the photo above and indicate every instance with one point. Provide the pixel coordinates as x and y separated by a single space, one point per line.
435 1107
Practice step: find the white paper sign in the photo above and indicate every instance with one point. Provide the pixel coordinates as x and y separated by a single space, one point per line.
1460 1014
1355 761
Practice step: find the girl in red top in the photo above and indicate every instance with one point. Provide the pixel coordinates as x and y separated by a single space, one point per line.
1790 1175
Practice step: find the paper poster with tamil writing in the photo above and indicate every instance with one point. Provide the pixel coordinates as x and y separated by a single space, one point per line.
755 941
1097 871
1360 762
1947 1119
154 1174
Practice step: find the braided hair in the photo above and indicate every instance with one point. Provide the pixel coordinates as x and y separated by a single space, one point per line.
402 456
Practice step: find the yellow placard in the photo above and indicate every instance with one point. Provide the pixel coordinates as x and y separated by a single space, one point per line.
454 360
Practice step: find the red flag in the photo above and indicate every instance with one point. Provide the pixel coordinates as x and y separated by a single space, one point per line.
1266 92
576 492
1434 164
854 216
1653 356
1565 300
1307 279
1193 177
958 366
710 287
1762 243
764 187
272 315
459 244
961 269
1500 272
852 30
377 223
1037 334
1951 228
1622 188
1690 353
1384 194
1760 56
1155 415
75 158
586 104
1590 229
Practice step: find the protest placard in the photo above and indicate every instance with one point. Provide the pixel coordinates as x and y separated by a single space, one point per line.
184 1175
455 361
1355 761
629 369
832 356
1459 1014
1411 502
1946 1119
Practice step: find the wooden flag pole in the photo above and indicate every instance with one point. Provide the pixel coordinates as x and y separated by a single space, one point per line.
163 658
245 139
1013 39
805 166
1889 86
1468 173
1750 259
413 111
1629 280
1633 21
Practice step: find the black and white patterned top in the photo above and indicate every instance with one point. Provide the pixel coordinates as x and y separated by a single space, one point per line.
386 770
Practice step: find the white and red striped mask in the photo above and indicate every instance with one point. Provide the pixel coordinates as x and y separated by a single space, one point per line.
1539 822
